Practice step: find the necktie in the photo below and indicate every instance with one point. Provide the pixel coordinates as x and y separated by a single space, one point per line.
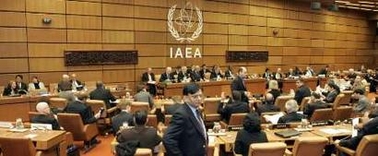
200 121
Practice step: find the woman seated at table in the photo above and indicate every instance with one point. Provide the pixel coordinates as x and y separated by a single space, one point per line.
291 113
251 133
36 85
11 89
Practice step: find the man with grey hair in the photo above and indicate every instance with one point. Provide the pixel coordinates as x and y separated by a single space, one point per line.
291 113
166 76
45 116
268 105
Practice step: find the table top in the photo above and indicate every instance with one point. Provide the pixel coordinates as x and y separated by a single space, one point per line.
44 139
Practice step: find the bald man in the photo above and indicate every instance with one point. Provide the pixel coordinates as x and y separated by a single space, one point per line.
268 105
45 116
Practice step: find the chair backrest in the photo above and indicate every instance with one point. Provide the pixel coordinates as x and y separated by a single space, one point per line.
304 102
342 113
53 87
72 123
21 146
347 96
152 121
58 102
368 146
135 106
143 152
96 105
210 105
267 149
281 100
336 103
33 114
236 119
167 119
322 115
309 146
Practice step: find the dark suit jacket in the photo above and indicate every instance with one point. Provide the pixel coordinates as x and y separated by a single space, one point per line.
119 119
302 92
214 75
181 76
276 93
369 128
172 108
8 91
83 109
267 107
234 107
64 86
44 119
202 73
331 96
146 136
291 117
244 139
23 86
238 85
104 95
195 76
323 71
166 76
267 75
145 77
184 136
227 73
311 107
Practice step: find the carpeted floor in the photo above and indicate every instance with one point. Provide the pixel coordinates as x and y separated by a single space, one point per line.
102 149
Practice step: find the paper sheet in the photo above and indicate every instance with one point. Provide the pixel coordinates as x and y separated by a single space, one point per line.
354 123
273 118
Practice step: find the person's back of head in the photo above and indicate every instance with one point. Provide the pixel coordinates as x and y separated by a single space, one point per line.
236 95
140 88
140 117
252 123
124 104
43 108
269 98
291 106
315 96
191 88
82 95
359 92
99 84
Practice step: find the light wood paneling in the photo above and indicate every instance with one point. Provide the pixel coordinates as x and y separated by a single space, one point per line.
83 8
112 76
18 65
110 23
46 50
118 37
83 22
46 35
12 5
46 64
117 10
13 19
88 75
13 50
35 20
46 6
84 36
12 34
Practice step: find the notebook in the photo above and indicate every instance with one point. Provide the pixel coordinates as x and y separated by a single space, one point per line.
287 133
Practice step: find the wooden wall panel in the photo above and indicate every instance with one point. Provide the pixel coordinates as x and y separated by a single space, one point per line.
35 20
113 76
110 23
18 65
46 50
47 78
83 8
118 37
83 22
84 36
152 50
13 5
117 10
13 19
150 12
46 35
47 6
12 34
13 50
46 64
88 75
150 25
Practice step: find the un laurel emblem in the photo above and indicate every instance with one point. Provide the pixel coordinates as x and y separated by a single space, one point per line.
185 23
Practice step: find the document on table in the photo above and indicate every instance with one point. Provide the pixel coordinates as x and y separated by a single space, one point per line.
273 118
334 131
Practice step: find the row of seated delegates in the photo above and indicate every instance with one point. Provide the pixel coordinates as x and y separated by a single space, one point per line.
79 106
232 105
19 87
140 134
70 84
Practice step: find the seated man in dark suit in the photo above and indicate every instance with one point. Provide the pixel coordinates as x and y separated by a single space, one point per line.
21 86
268 105
196 75
148 78
236 106
302 92
45 116
166 76
333 91
184 75
76 84
292 115
80 107
316 103
147 136
100 93
368 128
124 117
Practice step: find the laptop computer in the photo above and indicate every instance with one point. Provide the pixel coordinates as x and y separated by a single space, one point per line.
287 133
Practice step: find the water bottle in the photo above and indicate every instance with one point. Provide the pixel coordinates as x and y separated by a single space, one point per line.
19 124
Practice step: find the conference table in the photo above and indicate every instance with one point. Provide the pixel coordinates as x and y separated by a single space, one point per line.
44 140
255 86
330 132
